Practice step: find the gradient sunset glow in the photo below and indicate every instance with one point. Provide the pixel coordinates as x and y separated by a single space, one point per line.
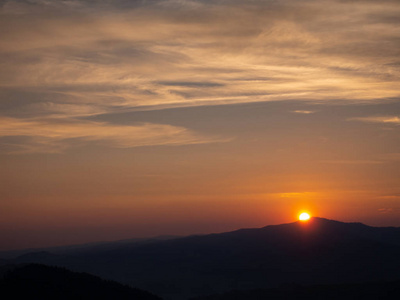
123 119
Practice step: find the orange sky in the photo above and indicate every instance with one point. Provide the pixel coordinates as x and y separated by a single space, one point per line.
123 119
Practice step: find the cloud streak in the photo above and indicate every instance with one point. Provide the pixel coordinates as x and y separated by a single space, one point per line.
54 136
394 120
304 112
75 59
132 48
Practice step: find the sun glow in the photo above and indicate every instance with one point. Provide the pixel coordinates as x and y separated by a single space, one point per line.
304 217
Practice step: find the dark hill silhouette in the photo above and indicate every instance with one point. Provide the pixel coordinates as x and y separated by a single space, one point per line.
84 248
319 251
36 281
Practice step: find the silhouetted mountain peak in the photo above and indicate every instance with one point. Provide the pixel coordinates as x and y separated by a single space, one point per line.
323 223
320 220
315 251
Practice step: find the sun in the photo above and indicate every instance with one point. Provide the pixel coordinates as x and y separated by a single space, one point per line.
304 217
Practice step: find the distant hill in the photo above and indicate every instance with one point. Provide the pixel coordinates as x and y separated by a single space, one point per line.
319 251
35 281
84 248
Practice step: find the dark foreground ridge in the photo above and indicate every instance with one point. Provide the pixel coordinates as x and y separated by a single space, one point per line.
319 251
36 281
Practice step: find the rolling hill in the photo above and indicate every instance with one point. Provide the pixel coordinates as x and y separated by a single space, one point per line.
319 251
34 281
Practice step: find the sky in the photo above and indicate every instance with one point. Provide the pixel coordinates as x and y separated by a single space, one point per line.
135 118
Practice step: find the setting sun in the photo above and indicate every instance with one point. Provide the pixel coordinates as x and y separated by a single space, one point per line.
304 217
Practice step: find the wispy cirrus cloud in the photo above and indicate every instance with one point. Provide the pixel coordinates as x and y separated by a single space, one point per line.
304 112
395 120
76 59
389 210
55 135
128 48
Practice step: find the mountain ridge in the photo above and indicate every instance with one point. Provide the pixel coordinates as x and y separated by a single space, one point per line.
318 251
